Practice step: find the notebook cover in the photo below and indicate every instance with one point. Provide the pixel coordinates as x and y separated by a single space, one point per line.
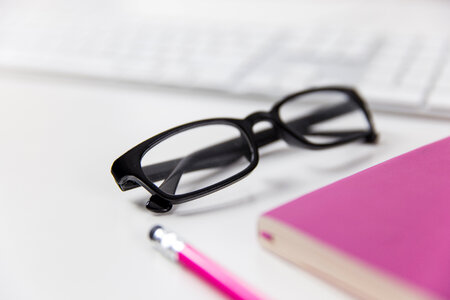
382 232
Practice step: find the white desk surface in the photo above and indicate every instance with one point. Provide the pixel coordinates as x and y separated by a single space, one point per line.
68 232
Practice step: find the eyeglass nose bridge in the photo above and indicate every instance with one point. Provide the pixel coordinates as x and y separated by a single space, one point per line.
259 116
273 133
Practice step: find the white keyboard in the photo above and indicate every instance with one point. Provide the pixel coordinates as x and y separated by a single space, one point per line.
394 72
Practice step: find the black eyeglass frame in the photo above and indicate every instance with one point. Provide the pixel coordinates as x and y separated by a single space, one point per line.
128 172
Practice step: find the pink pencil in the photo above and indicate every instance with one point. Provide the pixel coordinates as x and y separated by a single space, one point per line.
177 250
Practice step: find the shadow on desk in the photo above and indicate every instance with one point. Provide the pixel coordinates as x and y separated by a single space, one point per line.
272 187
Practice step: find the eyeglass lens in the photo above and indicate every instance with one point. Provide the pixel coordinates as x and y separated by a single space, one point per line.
197 158
326 116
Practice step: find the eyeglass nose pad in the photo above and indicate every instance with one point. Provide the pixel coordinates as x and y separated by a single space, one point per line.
157 204
248 155
247 152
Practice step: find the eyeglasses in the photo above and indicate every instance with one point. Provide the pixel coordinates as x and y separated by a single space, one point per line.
198 158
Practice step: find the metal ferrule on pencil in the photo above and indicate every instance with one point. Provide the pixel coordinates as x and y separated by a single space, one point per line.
167 242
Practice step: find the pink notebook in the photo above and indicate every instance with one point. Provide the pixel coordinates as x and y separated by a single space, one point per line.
383 233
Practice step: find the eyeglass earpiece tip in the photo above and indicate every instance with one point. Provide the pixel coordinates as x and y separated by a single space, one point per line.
372 138
157 204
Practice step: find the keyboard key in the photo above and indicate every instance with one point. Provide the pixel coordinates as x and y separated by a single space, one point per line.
439 100
259 83
395 96
295 77
418 74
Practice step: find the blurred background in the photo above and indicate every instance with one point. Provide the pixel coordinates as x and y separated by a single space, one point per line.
395 52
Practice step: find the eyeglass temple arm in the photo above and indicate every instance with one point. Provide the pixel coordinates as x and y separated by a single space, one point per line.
219 155
302 125
227 152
